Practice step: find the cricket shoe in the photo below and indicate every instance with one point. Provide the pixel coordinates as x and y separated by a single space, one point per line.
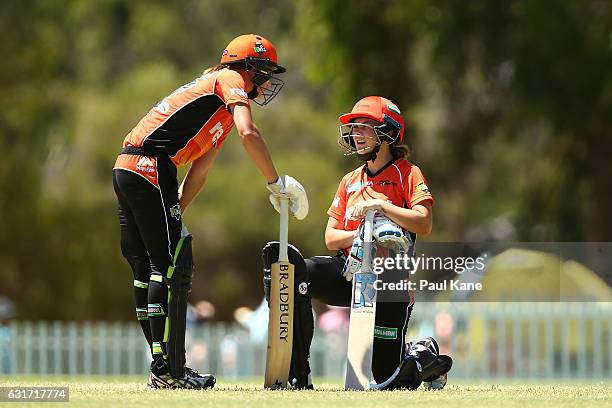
436 384
191 379
435 365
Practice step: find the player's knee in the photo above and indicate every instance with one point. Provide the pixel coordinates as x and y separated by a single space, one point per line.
157 290
180 273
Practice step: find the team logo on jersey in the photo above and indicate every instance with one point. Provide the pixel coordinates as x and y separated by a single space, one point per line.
146 165
387 183
259 48
422 187
216 132
175 212
303 288
358 186
335 202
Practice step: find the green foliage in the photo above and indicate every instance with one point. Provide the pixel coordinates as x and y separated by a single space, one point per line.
524 80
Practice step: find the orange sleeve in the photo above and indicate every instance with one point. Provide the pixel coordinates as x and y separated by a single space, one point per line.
418 191
338 205
231 88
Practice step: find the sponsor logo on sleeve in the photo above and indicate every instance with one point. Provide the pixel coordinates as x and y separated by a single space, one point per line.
238 91
422 187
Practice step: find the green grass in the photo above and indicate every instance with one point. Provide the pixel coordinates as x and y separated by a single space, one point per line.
132 391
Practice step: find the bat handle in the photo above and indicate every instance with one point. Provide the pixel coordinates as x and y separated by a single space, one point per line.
284 230
367 236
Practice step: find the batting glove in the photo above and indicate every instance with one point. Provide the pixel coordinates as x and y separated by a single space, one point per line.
288 187
390 235
354 260
355 257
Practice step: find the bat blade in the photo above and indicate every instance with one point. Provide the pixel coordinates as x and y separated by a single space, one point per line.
361 333
363 318
280 326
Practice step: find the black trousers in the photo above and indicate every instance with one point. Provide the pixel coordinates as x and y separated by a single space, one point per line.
150 222
329 286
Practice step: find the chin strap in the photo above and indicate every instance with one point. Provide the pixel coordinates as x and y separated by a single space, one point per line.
253 93
371 156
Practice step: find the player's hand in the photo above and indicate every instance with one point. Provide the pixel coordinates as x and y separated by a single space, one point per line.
288 187
354 259
360 209
390 235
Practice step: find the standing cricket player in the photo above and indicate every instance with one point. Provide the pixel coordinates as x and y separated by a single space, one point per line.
189 126
397 190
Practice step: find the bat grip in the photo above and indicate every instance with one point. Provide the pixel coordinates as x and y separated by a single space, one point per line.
283 256
367 237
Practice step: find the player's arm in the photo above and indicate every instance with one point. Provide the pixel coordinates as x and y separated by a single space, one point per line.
196 178
336 238
253 142
417 219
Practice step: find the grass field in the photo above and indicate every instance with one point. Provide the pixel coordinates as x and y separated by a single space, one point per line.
131 391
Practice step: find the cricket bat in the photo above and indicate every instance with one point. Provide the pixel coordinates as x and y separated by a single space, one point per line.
363 317
280 323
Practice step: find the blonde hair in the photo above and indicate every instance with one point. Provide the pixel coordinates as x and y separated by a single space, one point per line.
214 68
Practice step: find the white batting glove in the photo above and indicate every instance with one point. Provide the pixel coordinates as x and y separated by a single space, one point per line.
390 235
355 257
287 186
354 260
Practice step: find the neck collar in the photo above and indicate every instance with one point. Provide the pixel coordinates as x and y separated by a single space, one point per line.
369 173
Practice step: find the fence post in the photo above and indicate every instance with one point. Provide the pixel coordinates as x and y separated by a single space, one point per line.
14 348
533 341
87 342
596 319
565 337
43 358
73 351
550 315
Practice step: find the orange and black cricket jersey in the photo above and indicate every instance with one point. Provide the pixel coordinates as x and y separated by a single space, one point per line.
398 182
187 123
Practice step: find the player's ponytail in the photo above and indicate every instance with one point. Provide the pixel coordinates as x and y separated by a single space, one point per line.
399 151
214 68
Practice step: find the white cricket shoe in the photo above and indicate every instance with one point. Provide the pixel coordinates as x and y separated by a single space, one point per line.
191 379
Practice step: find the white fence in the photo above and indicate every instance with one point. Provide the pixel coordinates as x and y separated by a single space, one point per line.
542 340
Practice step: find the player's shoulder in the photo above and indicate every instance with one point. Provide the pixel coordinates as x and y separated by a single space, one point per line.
353 174
406 166
230 83
351 180
230 76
